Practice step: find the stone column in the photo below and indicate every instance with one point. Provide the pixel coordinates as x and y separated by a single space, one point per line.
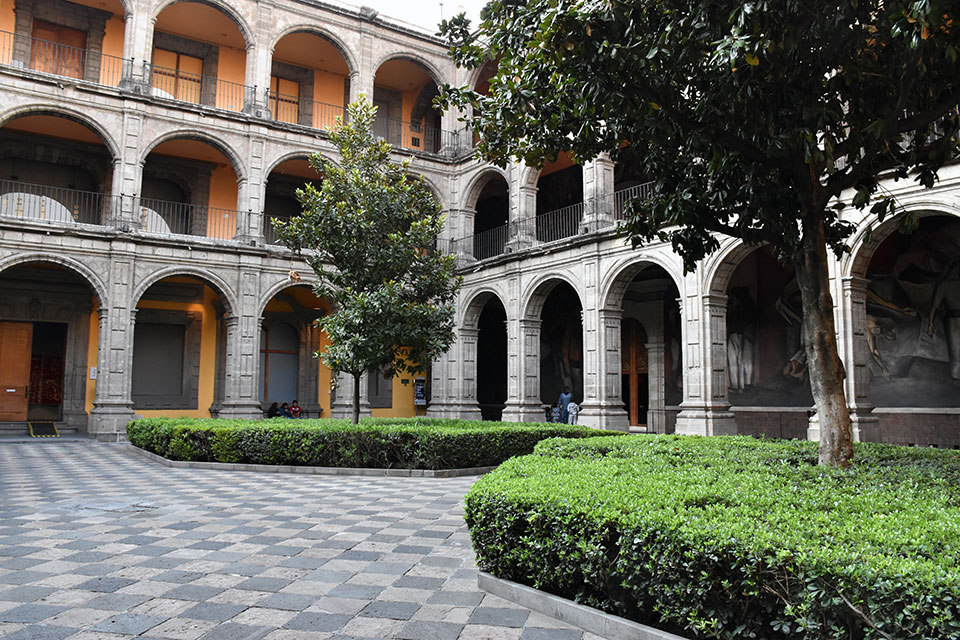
257 80
137 51
656 392
445 384
113 403
598 181
342 404
308 378
705 409
855 353
603 408
128 176
469 408
241 388
523 393
523 211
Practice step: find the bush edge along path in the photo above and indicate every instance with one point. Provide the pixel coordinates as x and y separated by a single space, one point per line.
731 537
377 443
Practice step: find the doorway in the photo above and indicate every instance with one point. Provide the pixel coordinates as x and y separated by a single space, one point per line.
32 356
634 369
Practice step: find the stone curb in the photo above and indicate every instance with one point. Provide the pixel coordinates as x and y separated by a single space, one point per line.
587 618
316 471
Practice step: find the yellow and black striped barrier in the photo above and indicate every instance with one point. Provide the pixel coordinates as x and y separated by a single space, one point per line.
44 429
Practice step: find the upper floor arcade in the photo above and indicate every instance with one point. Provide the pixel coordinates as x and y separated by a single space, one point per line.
287 65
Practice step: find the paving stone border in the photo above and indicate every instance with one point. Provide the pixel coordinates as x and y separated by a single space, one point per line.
315 471
587 618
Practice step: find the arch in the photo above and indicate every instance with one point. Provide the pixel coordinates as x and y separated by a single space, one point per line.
98 286
279 286
190 134
479 298
219 5
69 114
432 70
530 176
218 284
480 180
294 155
537 292
614 286
319 31
725 262
432 186
855 263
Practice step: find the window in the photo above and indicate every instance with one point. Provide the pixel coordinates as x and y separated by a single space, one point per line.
177 75
279 363
284 99
379 390
58 49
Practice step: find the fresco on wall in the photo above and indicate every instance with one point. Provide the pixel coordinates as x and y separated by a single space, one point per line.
913 317
766 361
561 345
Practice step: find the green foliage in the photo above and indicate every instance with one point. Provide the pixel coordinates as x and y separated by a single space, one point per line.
369 232
732 537
384 443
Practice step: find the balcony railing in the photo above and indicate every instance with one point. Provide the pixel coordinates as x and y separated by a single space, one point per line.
182 86
559 224
37 202
622 197
269 234
303 111
165 217
416 137
61 60
491 242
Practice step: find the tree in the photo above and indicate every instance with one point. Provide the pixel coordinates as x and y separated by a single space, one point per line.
369 232
759 120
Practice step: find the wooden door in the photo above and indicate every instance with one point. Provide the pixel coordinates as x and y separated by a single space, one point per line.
15 347
634 370
57 49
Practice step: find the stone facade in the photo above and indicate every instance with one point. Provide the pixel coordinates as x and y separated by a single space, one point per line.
611 281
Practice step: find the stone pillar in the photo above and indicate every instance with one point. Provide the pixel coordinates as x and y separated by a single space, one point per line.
469 408
308 378
523 393
137 51
241 387
602 405
342 404
705 409
656 391
598 180
113 403
257 80
523 210
128 175
855 353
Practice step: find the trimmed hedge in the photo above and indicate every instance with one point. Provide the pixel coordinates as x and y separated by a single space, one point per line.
732 537
381 443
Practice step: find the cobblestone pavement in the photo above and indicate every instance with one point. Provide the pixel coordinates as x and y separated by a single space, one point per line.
97 544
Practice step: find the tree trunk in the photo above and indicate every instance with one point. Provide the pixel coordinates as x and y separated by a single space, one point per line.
356 398
820 343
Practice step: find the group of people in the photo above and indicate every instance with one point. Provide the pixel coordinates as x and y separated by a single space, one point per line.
565 410
285 410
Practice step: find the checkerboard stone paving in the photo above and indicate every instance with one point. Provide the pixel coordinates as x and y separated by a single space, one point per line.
98 544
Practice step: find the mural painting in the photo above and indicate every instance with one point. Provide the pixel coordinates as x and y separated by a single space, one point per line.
913 317
766 361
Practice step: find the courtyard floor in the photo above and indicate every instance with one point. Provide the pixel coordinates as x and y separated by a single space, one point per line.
97 543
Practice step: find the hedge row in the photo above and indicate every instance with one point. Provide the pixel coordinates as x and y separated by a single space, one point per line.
732 537
418 443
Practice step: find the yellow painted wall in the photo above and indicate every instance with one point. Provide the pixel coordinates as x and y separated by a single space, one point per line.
92 350
222 217
323 380
403 406
231 69
208 353
111 65
409 101
327 90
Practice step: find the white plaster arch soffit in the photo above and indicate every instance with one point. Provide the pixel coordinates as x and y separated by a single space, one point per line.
718 268
209 278
87 273
33 109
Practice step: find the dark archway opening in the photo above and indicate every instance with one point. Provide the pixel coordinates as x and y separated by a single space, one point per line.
561 345
492 360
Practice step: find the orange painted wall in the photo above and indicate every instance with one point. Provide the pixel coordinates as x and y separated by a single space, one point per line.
231 70
222 217
7 24
92 349
208 353
327 90
111 64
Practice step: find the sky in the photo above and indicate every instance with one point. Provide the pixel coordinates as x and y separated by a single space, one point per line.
425 14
